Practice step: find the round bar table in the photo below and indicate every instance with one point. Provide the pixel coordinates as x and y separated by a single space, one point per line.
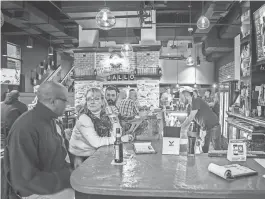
162 176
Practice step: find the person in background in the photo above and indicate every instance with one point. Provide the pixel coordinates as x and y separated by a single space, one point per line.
128 107
111 95
34 160
11 109
93 128
167 98
205 118
196 94
216 104
3 96
133 97
207 97
122 95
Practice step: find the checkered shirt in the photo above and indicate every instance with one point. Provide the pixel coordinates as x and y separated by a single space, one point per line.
128 108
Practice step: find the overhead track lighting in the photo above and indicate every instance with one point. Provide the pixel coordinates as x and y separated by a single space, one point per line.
203 22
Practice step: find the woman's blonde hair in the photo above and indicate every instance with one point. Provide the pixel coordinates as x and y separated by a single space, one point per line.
84 110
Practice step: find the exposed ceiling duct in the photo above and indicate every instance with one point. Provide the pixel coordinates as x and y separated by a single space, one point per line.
88 38
148 36
214 47
35 22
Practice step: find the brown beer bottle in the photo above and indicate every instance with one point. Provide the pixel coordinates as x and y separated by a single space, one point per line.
118 147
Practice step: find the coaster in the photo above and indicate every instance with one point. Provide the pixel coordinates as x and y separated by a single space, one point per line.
114 163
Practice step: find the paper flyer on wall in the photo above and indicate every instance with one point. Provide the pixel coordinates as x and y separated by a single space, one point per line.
81 88
148 93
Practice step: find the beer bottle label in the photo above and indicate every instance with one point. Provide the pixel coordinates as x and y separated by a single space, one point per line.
117 154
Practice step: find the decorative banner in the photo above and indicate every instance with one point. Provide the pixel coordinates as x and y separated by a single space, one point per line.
81 88
120 77
148 93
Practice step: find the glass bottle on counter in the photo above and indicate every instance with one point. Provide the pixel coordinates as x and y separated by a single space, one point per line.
118 147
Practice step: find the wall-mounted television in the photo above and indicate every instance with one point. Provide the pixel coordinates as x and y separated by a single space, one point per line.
10 76
259 21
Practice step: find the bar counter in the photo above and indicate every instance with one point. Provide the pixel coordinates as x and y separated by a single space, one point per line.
157 175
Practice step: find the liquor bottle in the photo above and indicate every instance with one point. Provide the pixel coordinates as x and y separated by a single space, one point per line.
118 147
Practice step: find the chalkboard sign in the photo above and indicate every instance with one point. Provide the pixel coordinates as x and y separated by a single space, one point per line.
259 20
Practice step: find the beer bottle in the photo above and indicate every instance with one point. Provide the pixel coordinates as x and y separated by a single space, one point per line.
118 147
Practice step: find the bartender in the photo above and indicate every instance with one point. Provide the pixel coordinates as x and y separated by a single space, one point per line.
205 118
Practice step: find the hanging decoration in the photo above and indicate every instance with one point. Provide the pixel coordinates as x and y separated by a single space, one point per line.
105 19
203 22
126 49
177 70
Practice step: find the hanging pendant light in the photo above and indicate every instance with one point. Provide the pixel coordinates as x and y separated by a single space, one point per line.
203 22
50 49
198 61
126 49
195 85
105 19
190 61
30 42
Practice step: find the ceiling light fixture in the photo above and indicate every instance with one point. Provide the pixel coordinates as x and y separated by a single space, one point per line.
105 19
203 22
30 42
50 49
190 61
198 61
126 49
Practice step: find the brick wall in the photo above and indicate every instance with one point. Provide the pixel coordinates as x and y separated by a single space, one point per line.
225 67
85 61
147 59
226 72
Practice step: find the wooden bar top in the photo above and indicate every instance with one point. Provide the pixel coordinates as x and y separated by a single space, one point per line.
157 175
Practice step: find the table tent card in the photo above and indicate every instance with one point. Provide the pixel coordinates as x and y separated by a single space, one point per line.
237 150
171 140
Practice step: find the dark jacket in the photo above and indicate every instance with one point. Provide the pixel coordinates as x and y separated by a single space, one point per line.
35 156
10 112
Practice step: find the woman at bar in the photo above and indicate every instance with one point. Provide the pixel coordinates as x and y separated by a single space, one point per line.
93 128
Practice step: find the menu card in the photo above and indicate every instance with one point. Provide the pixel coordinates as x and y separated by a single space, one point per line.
230 171
237 150
148 93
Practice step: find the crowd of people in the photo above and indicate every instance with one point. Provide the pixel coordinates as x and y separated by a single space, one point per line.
39 158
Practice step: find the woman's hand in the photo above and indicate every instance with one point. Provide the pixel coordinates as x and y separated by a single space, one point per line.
127 138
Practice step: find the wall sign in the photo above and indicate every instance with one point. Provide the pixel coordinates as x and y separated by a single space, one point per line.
120 77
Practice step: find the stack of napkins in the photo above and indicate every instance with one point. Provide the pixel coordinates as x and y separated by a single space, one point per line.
143 148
